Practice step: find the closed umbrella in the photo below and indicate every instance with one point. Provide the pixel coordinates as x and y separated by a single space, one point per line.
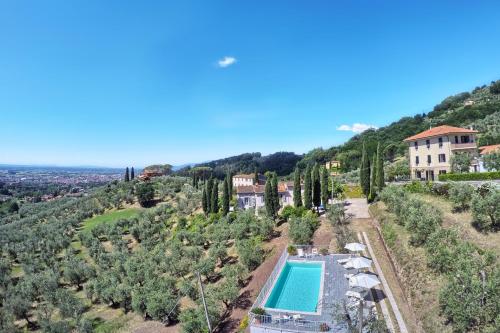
355 247
364 280
358 262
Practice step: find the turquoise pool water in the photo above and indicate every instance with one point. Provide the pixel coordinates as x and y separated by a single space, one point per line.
297 287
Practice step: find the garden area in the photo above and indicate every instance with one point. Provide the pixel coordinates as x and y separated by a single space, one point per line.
444 240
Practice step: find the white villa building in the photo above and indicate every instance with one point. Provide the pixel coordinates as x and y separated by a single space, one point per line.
252 196
248 180
430 151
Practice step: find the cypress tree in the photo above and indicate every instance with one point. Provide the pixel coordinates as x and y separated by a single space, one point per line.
316 186
268 198
214 204
256 177
276 198
230 184
127 178
204 202
132 173
225 196
297 195
364 172
380 169
324 187
209 186
307 188
373 176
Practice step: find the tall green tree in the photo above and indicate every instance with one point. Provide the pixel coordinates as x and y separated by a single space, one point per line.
276 199
209 185
214 202
268 198
380 168
225 196
316 186
307 188
127 177
364 172
297 195
132 173
230 184
373 179
324 187
204 200
256 177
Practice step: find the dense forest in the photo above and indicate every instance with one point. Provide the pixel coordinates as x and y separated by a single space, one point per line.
283 163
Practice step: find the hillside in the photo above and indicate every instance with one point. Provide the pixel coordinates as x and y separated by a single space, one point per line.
479 108
283 163
482 111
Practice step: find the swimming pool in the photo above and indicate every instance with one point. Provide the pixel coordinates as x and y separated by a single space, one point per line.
297 287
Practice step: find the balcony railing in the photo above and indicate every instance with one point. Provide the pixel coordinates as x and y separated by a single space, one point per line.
469 145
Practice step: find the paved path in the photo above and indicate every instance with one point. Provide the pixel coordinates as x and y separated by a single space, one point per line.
388 292
358 208
381 301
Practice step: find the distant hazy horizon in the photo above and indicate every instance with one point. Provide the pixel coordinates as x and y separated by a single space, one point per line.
113 84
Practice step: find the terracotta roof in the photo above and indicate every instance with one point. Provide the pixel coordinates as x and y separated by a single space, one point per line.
254 189
244 176
437 131
484 150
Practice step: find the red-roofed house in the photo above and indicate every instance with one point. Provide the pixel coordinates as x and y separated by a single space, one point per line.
430 151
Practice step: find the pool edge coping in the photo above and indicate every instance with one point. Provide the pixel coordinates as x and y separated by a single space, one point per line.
320 292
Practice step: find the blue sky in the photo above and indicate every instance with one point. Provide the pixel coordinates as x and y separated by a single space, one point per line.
117 83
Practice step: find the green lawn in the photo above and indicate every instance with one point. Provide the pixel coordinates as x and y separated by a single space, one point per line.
353 191
108 217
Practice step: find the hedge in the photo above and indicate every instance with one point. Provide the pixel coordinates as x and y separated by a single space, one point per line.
470 176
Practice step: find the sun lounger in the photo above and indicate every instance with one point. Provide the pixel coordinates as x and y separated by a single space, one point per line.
314 251
300 253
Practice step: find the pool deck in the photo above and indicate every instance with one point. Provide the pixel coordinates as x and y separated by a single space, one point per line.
334 288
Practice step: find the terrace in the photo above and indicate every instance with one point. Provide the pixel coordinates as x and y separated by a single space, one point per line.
331 295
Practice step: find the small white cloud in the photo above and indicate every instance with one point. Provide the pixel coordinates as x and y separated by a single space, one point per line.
226 62
356 127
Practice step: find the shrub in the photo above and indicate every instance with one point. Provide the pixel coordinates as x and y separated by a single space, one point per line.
243 324
461 194
441 249
290 211
323 251
469 299
421 220
486 209
470 176
389 234
302 228
419 187
394 196
258 311
250 252
292 250
441 189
